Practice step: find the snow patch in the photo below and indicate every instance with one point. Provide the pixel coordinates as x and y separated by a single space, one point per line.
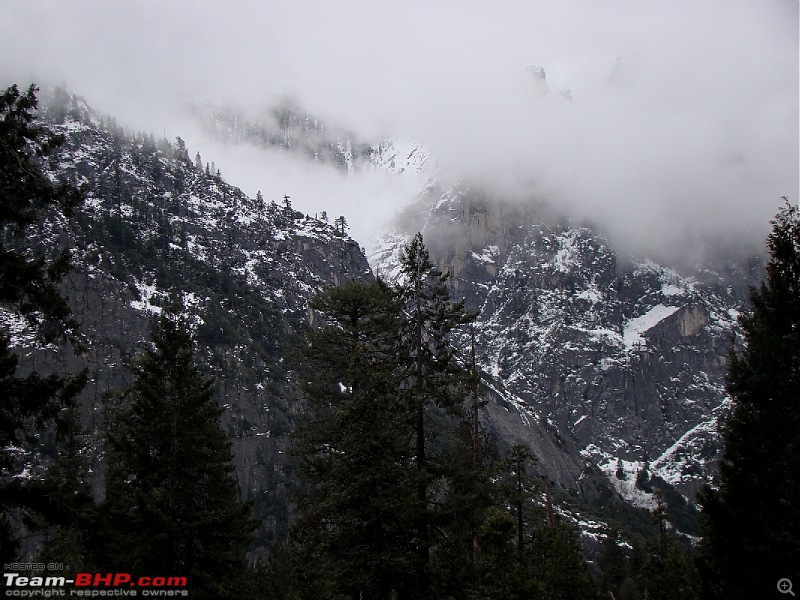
626 487
567 256
592 295
19 331
632 335
671 290
147 293
487 255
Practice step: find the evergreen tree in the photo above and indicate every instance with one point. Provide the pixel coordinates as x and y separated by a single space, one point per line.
181 153
463 497
505 535
69 535
171 505
620 473
613 564
557 562
500 573
751 523
352 533
29 288
435 380
390 492
666 573
393 495
541 556
517 458
340 225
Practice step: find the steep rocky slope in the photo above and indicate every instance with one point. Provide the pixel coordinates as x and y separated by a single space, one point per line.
155 229
591 356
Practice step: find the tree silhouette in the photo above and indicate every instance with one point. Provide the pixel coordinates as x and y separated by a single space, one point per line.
755 512
172 503
29 277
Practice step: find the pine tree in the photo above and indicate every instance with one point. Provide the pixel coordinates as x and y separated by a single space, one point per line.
435 380
667 572
613 564
68 537
29 288
751 523
340 225
463 497
518 458
352 531
171 505
384 506
181 153
392 496
503 566
557 562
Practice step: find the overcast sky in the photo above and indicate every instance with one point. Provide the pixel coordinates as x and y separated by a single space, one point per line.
683 121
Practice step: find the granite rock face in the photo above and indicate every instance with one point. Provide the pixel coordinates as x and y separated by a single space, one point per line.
156 229
605 360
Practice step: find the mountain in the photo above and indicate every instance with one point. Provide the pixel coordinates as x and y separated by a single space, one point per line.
155 229
290 128
591 356
610 367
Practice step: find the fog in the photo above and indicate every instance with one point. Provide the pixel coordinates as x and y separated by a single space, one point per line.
680 124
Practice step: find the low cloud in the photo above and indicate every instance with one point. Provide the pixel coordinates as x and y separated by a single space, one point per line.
682 124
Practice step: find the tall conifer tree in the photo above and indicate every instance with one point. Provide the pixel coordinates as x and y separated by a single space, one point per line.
29 289
751 523
384 484
172 505
435 379
353 532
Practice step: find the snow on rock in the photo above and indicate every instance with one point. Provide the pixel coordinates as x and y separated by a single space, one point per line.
634 329
19 331
400 156
678 463
622 474
147 293
487 255
385 254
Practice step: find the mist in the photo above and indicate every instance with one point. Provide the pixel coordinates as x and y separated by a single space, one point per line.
679 126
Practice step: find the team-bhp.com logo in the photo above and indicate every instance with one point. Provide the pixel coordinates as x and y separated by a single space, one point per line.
93 585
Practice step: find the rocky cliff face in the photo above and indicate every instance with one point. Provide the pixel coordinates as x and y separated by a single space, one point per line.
594 358
156 229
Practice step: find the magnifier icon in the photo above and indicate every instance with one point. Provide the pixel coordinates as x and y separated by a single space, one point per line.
785 586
